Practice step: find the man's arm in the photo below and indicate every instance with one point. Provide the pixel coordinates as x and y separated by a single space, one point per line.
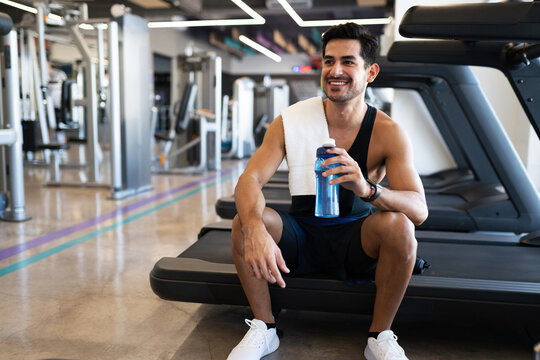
407 192
393 149
260 250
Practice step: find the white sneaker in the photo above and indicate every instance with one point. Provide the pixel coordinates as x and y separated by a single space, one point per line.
258 342
384 347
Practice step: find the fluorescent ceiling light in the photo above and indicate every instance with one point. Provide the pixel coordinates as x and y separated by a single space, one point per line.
19 6
85 26
56 19
260 48
256 19
309 23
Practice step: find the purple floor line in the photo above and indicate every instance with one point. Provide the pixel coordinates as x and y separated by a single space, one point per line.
16 249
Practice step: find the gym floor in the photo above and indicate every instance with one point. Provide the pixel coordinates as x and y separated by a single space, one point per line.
74 285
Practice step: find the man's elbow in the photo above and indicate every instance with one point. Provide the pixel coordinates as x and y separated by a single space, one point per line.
421 216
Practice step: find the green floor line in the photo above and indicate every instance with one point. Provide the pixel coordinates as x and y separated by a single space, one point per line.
55 250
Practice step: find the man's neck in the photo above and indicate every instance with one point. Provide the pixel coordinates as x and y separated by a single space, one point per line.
345 115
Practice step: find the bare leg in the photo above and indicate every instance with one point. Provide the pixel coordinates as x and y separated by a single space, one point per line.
389 236
255 289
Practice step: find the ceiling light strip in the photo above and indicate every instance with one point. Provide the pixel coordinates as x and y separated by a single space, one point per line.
19 6
200 23
55 17
260 48
249 10
256 19
288 8
372 21
310 23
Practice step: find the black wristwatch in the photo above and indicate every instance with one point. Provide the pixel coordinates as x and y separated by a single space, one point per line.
376 194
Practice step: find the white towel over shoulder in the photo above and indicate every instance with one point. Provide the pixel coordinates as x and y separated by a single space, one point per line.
305 128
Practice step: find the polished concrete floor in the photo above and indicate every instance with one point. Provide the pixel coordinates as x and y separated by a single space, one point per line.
74 285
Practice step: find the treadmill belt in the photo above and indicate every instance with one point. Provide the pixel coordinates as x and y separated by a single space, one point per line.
496 274
507 262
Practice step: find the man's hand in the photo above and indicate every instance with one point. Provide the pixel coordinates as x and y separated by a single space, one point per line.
264 258
350 175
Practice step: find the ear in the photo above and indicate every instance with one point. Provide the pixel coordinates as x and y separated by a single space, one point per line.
372 72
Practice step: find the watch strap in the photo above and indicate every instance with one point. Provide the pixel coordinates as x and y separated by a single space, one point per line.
374 194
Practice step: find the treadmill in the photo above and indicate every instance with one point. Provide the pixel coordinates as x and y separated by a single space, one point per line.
485 271
470 271
469 127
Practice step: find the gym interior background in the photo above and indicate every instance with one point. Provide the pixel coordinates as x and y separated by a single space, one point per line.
153 129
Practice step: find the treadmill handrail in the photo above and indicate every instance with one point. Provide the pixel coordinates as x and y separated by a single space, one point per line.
473 22
510 169
435 83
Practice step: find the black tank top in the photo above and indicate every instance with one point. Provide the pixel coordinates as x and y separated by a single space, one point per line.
350 205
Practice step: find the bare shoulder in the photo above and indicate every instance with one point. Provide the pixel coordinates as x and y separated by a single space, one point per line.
384 124
388 134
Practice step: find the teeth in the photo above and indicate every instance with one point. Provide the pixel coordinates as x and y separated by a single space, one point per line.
337 82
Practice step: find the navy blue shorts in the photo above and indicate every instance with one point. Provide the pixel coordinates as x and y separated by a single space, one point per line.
310 248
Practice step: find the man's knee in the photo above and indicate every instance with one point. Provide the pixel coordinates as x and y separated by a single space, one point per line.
401 235
396 234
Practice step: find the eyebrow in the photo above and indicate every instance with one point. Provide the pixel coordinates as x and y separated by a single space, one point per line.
346 57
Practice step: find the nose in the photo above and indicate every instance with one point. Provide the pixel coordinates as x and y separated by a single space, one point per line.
336 69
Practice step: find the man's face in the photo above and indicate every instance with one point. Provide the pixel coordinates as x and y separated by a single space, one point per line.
344 75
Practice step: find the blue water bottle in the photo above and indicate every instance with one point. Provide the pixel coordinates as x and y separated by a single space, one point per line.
327 196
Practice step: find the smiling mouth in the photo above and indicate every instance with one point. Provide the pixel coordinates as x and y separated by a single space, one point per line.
337 83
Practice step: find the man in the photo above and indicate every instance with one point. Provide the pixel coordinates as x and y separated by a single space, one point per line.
369 145
56 79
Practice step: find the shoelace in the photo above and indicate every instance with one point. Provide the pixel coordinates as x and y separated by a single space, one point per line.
392 347
254 336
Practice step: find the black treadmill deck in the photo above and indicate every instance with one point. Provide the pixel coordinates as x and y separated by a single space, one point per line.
501 274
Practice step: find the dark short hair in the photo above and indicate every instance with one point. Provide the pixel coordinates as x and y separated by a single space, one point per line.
368 42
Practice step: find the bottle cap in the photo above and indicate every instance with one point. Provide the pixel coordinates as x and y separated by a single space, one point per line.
329 142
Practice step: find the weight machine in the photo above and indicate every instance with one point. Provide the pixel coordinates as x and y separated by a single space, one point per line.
128 101
271 97
237 126
198 115
10 129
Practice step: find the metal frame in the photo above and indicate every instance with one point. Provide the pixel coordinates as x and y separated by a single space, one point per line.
241 123
11 135
493 139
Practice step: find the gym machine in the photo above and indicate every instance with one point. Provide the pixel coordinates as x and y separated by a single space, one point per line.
237 129
10 129
198 114
46 133
130 107
271 96
128 103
